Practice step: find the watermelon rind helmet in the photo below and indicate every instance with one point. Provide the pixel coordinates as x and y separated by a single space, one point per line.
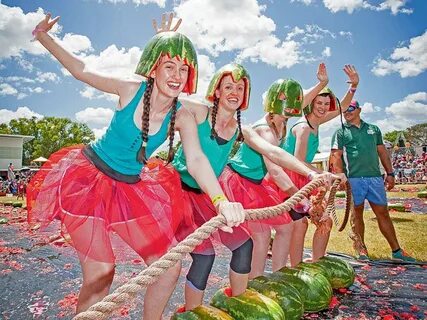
284 97
334 102
237 73
172 44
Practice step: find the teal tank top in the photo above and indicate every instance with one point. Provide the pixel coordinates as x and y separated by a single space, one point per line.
312 143
216 153
249 163
119 146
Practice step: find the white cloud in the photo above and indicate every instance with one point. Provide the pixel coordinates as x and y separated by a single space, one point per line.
326 52
345 5
95 117
47 76
306 2
15 35
221 26
395 6
282 54
7 90
368 107
99 132
408 61
36 90
22 112
92 93
403 114
160 3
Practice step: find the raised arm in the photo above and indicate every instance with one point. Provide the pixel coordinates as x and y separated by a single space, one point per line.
353 80
73 64
200 169
322 76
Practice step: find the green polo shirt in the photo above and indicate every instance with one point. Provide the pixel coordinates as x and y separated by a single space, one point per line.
359 145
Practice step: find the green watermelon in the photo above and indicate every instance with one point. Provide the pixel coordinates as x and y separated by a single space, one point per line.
341 273
319 293
340 194
250 305
17 204
314 269
296 282
422 194
286 295
3 220
8 203
202 313
397 206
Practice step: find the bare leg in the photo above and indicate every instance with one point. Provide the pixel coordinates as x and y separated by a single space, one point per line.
320 241
261 241
193 296
281 245
238 282
359 224
297 242
386 225
97 279
158 294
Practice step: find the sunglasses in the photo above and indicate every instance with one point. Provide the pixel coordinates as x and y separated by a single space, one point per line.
350 109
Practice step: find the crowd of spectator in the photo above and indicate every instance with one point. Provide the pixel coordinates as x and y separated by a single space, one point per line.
409 168
16 182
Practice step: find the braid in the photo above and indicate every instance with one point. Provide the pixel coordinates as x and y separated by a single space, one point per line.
171 152
141 157
214 112
240 137
273 125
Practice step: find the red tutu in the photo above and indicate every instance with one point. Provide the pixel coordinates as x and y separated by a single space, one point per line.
203 210
298 180
90 205
253 196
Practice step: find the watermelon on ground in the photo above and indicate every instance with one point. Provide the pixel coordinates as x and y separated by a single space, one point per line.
319 293
296 282
286 295
202 313
314 269
396 206
250 305
17 204
422 194
341 273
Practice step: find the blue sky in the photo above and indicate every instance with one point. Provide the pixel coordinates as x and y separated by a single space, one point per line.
385 39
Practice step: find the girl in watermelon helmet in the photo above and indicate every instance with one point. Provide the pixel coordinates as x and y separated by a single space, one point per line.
243 180
302 141
108 186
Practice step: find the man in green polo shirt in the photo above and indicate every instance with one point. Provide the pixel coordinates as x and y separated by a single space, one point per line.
356 148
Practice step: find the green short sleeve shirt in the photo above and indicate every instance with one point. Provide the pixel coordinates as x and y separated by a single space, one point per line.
359 145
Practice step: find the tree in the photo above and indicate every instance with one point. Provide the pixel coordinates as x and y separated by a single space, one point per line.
391 136
50 135
417 134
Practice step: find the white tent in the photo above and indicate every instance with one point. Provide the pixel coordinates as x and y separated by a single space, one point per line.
40 159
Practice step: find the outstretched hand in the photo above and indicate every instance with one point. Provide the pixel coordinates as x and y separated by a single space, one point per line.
46 24
353 76
322 74
166 25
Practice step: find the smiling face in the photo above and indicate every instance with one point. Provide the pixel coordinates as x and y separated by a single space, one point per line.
350 116
170 76
230 94
321 105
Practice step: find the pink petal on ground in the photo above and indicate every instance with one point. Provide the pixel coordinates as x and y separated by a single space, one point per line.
334 302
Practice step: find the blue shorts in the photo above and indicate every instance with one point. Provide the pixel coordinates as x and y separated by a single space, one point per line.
369 188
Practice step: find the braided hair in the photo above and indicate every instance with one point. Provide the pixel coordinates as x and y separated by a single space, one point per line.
171 132
214 134
141 156
240 137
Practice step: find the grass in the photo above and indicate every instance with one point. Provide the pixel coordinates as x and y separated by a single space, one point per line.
11 199
406 191
410 228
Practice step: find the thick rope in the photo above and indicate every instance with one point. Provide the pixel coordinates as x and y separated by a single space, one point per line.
330 207
128 291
